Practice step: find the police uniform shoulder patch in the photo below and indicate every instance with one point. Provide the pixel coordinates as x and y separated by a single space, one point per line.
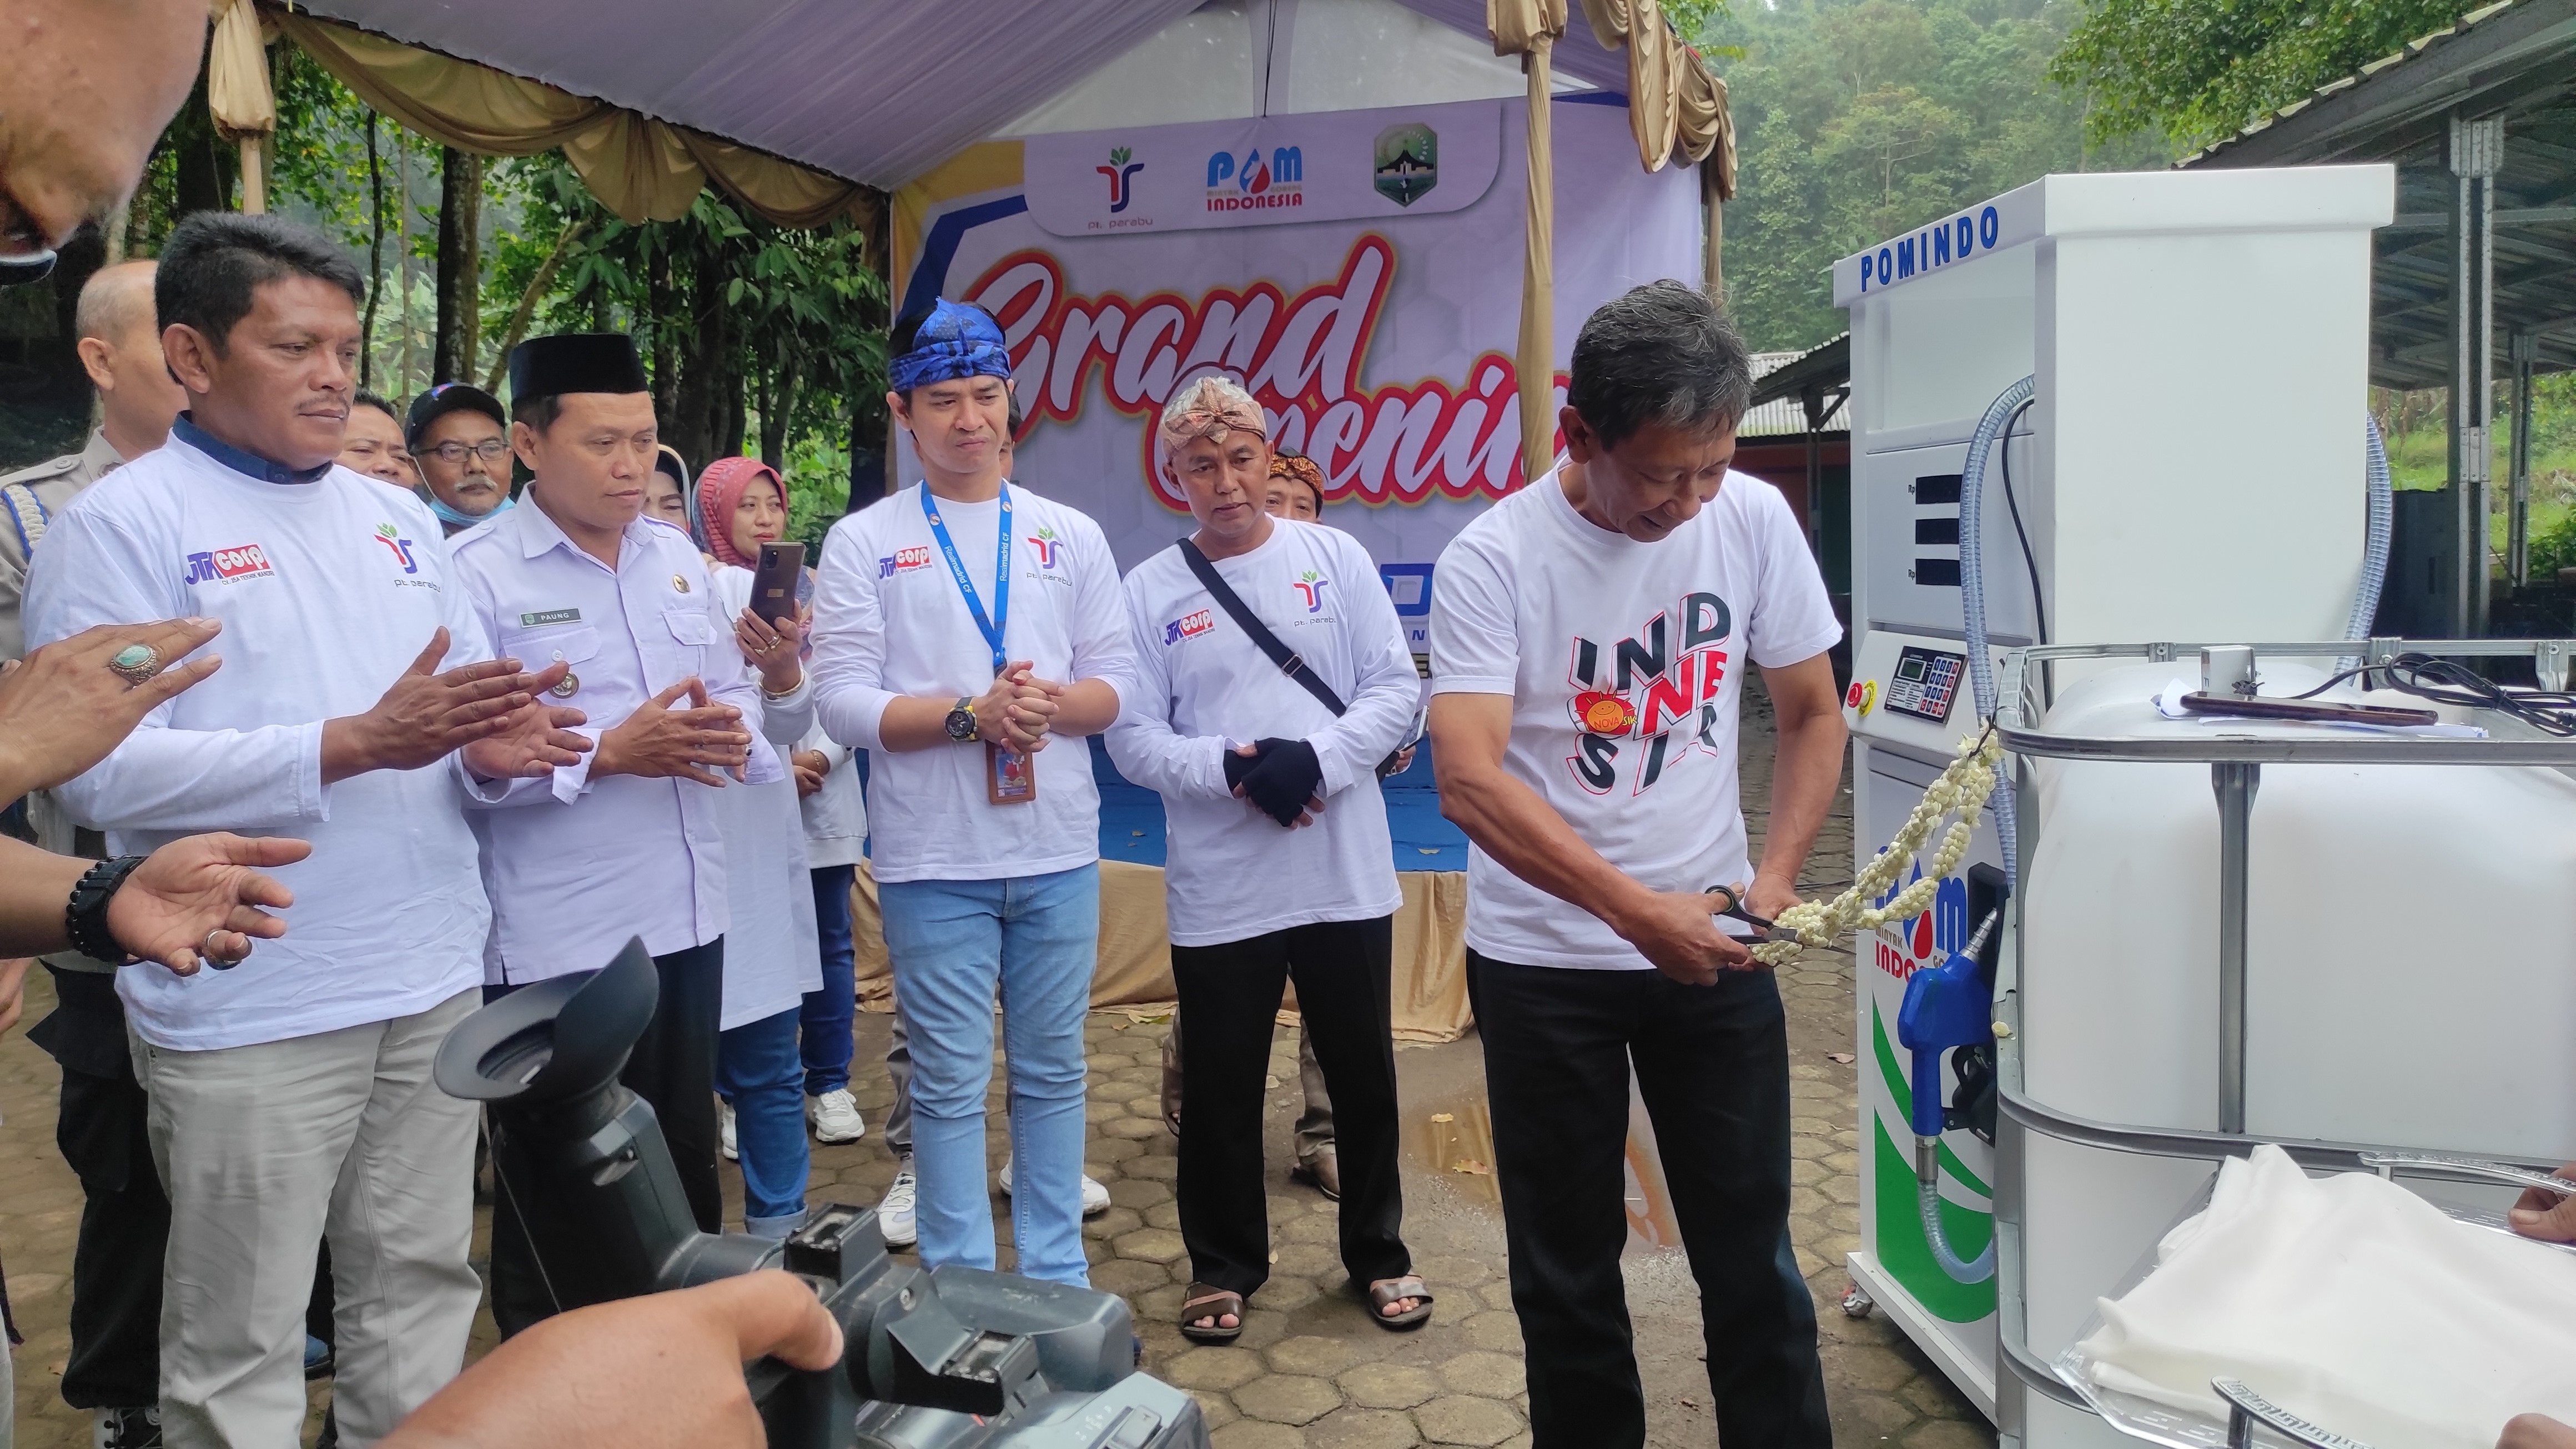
25 512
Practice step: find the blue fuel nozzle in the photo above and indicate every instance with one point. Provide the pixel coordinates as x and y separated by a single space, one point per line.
1949 1005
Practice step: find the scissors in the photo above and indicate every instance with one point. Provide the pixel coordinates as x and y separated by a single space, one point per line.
1763 930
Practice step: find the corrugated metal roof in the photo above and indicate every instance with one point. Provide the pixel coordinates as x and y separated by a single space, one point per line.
1785 416
2516 61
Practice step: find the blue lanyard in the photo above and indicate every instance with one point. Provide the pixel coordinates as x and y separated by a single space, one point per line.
1000 619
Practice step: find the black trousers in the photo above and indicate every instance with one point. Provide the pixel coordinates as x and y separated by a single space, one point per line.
673 1067
1230 998
115 1358
1712 1063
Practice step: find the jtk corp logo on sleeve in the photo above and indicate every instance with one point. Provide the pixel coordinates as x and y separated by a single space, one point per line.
242 561
1188 626
904 561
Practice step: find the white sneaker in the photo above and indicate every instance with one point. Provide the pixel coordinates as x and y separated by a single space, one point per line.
835 1115
894 1210
1095 1198
724 1127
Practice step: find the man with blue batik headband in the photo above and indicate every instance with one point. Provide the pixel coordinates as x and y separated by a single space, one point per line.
956 340
960 625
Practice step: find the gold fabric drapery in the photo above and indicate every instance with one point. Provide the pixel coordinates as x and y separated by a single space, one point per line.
1135 962
640 168
238 94
1675 105
1530 29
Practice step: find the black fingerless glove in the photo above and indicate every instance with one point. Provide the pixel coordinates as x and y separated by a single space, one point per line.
1237 766
1283 779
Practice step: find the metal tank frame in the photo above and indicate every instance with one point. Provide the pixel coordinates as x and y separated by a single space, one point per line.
2025 688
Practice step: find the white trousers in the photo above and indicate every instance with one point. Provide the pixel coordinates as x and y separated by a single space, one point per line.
265 1151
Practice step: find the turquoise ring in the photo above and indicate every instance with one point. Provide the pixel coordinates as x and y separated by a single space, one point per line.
136 663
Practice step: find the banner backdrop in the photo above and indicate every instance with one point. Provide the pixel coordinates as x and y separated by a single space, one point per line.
1358 271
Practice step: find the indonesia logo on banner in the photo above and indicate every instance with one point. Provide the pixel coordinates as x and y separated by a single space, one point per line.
1299 356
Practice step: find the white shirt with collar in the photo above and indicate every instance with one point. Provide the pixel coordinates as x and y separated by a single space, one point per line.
328 587
575 866
889 620
1204 687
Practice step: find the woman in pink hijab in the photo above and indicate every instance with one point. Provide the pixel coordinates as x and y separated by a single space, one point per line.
771 954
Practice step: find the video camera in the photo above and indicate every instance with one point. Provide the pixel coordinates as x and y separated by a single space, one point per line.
956 1359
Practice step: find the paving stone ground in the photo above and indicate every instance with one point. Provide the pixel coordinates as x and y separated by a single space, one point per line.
1310 1369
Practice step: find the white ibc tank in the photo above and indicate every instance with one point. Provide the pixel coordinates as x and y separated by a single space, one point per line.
2410 977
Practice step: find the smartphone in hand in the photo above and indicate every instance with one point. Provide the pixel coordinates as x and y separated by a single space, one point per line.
773 582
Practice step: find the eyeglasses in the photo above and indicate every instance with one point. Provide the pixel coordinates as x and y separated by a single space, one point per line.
491 450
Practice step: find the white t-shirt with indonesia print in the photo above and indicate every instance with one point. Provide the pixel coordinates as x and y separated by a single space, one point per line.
1625 663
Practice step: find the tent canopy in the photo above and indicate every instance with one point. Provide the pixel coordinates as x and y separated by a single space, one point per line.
876 92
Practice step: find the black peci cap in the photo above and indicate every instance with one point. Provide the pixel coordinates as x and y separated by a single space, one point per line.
449 397
575 362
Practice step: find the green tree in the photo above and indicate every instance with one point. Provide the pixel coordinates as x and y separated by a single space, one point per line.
759 338
1859 119
2200 70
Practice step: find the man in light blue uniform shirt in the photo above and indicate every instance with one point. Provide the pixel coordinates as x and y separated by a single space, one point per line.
624 843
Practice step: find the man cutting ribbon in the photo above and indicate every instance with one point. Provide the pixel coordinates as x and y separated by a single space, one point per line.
987 840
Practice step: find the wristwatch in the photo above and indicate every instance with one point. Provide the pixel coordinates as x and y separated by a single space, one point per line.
85 915
961 719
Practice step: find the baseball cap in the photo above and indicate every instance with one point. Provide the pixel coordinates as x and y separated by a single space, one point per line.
446 398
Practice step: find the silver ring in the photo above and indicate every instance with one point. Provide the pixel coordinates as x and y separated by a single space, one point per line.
136 663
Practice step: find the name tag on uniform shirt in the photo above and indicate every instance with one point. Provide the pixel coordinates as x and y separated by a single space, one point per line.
543 617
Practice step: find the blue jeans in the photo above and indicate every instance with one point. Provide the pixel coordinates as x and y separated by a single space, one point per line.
824 1040
757 1071
954 943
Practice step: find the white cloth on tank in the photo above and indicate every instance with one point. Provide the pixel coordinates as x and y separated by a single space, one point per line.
2352 1303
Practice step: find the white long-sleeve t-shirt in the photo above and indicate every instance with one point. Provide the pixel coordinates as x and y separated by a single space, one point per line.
578 865
327 589
889 621
1204 687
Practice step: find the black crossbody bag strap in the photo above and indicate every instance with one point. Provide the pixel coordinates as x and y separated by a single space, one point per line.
1241 613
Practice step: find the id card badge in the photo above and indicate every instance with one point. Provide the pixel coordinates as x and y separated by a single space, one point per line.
1009 778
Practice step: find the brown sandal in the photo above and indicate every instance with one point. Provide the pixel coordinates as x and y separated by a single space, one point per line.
1196 1307
1388 1290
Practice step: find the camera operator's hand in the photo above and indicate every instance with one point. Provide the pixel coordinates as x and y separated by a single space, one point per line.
662 1370
658 741
63 707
